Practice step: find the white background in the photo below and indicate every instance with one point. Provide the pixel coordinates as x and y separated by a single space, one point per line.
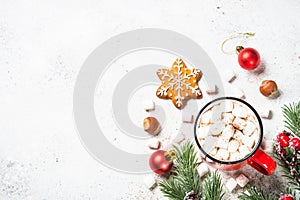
43 45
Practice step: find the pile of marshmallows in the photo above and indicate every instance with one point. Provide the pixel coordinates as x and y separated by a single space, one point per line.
228 131
231 182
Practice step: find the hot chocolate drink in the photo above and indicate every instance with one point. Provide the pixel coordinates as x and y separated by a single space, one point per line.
228 130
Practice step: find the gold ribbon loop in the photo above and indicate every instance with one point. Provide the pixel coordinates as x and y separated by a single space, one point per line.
236 35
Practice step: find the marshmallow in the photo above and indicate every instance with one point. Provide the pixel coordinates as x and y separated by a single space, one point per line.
252 119
187 117
212 89
229 75
231 184
150 182
214 152
216 113
202 141
210 142
202 169
199 158
239 123
266 114
268 146
202 132
222 154
228 132
238 135
238 93
242 180
216 128
249 128
227 118
233 146
148 105
226 106
248 141
206 117
154 144
255 136
244 151
239 111
234 156
222 143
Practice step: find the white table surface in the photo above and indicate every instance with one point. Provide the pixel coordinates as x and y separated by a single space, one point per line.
43 45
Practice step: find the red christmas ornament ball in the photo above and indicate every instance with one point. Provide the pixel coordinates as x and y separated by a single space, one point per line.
283 139
286 197
159 163
248 58
295 143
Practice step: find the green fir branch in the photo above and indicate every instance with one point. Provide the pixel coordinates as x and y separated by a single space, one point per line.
289 190
255 194
172 189
186 165
287 173
186 178
213 187
291 113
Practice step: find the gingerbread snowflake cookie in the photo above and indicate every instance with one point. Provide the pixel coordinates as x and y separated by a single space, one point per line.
179 83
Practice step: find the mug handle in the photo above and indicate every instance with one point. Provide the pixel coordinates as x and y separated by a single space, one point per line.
262 162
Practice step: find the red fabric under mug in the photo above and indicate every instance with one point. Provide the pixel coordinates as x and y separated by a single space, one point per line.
257 159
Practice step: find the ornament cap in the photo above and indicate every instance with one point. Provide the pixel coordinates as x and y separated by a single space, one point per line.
238 49
170 155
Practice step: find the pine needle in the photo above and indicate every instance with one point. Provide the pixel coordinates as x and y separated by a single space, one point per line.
187 178
287 173
290 191
291 114
213 187
256 194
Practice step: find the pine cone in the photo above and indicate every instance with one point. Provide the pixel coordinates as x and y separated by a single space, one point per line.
191 196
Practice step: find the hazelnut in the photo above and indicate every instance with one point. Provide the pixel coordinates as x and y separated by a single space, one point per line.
269 88
151 125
